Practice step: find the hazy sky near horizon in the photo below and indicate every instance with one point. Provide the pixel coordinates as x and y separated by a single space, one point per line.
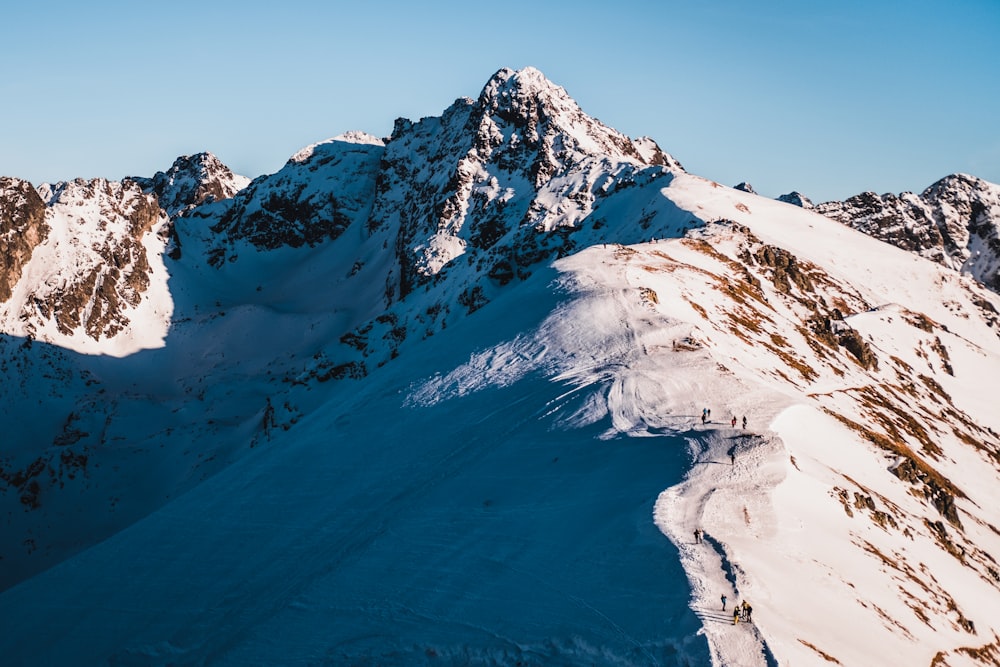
827 98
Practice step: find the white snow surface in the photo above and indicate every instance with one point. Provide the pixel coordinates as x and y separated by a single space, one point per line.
523 486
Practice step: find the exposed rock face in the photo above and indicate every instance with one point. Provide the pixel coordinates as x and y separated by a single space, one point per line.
953 222
22 228
745 187
786 269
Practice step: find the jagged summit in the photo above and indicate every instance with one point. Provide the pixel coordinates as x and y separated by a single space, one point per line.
512 93
954 185
486 176
527 100
192 180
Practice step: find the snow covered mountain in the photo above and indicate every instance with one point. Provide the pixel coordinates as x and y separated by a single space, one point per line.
955 222
439 399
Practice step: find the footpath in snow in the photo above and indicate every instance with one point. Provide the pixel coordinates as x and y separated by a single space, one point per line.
726 493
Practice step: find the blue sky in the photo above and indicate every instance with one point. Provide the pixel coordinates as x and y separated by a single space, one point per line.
829 98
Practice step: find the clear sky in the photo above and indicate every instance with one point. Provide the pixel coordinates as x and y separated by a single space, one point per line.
827 98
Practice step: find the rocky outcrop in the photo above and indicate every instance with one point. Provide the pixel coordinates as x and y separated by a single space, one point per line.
796 199
955 222
22 229
785 269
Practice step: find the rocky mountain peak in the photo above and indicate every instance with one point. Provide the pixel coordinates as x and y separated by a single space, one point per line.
953 183
538 112
192 180
955 222
492 178
524 94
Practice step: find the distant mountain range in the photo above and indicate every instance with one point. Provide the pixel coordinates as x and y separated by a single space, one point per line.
166 337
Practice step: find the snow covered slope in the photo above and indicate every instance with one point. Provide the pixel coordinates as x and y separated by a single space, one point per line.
438 399
851 489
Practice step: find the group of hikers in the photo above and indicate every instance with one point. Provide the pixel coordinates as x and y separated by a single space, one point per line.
742 611
706 415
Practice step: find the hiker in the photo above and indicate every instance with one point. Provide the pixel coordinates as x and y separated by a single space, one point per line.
734 421
732 457
697 535
708 413
723 602
749 611
736 614
744 422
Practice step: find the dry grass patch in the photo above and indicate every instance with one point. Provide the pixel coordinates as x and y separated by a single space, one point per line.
807 372
825 656
698 308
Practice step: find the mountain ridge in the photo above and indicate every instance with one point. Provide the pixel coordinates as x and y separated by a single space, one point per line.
512 242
